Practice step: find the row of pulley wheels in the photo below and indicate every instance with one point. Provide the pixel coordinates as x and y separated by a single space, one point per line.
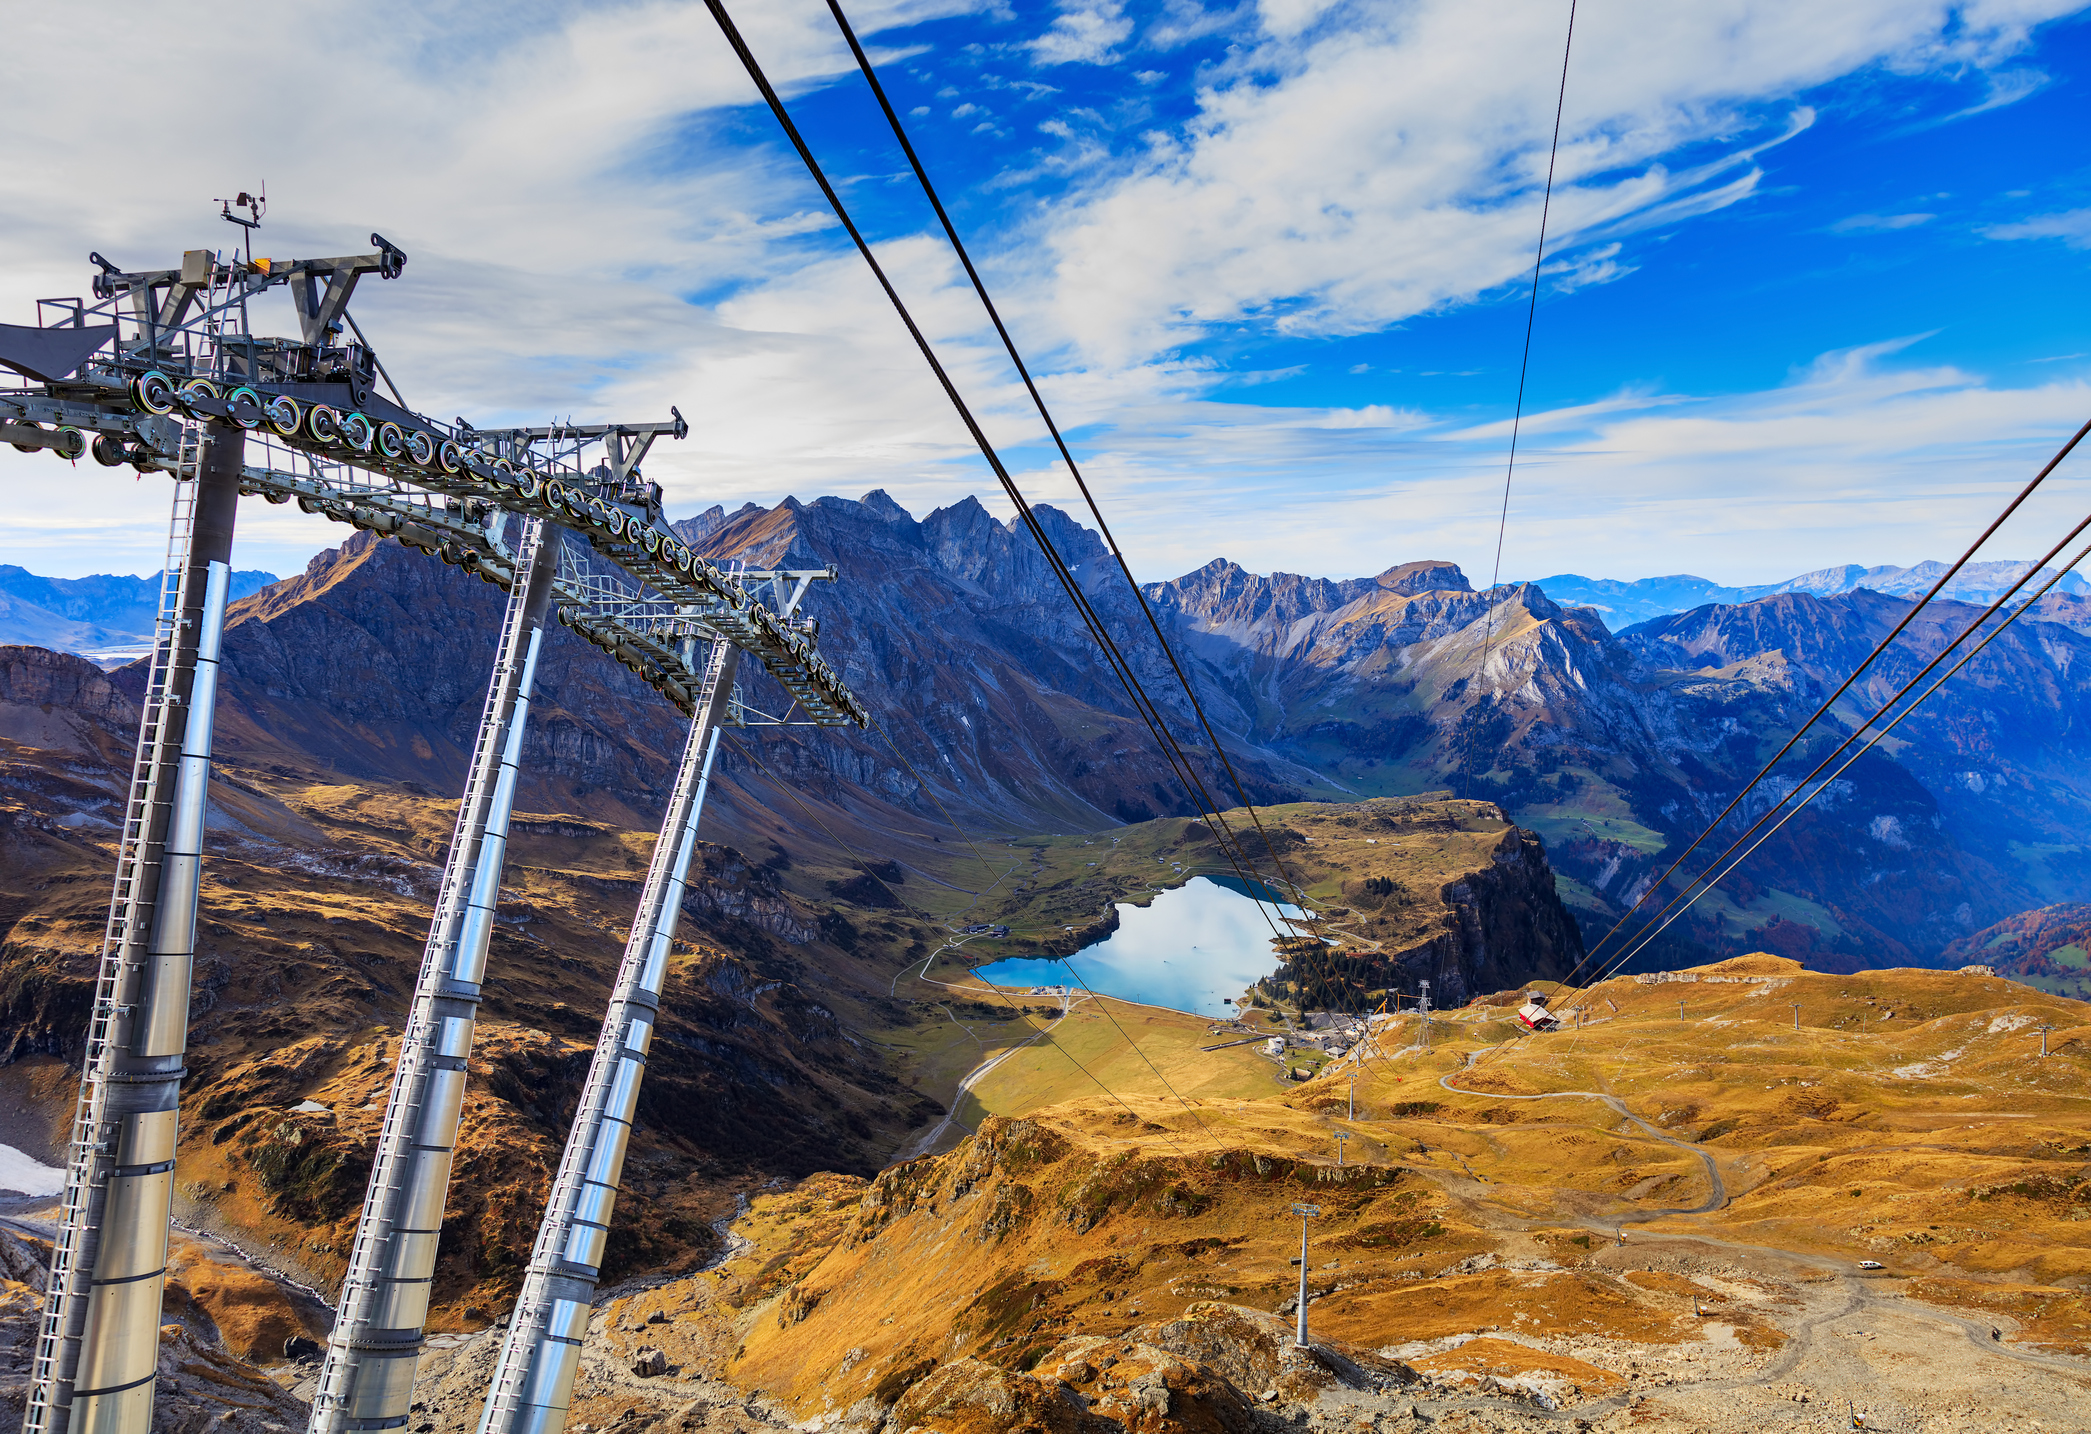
319 423
387 442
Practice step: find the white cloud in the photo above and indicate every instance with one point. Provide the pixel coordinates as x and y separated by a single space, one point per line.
1370 162
586 240
1856 459
2072 227
1085 32
1879 223
547 170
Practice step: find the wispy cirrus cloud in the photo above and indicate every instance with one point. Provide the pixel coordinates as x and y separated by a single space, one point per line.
1858 457
1359 164
1085 32
2071 226
1879 223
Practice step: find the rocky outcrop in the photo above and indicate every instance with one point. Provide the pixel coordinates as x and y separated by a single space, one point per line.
57 701
1509 926
202 1386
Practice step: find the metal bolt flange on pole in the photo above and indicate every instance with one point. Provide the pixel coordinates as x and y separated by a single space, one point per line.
367 1381
98 1342
534 1377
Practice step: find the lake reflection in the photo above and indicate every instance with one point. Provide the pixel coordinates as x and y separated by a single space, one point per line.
1192 949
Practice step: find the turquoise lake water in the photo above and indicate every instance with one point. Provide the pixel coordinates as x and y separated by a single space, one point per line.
1192 949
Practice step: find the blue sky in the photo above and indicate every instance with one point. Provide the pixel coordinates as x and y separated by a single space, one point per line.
1816 291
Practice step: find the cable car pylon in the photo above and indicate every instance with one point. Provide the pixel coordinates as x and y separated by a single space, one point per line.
160 372
367 1381
534 1377
98 1341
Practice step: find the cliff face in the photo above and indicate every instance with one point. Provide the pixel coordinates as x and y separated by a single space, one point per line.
1509 925
959 639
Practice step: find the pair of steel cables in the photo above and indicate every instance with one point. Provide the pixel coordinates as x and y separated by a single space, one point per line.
1144 705
1880 723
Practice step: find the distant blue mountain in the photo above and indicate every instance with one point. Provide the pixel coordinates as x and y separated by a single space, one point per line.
92 614
1622 604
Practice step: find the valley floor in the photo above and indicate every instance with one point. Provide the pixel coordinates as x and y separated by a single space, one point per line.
1680 1249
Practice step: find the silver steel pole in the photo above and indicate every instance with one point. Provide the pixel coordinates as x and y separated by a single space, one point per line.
367 1381
1299 1335
533 1379
98 1342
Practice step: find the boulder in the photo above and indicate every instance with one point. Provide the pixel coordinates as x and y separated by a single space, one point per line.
648 1362
1128 1384
969 1396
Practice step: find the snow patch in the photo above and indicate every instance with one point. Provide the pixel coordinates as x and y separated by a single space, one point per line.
26 1176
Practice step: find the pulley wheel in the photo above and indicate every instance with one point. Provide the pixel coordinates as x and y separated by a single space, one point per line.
153 392
248 399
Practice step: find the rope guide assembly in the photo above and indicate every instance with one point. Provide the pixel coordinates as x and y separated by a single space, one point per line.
162 372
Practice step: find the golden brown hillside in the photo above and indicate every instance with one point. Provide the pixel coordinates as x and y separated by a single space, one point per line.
1097 1265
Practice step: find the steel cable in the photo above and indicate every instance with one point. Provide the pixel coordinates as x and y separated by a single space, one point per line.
1714 880
1665 917
1135 691
1524 366
1038 402
1843 687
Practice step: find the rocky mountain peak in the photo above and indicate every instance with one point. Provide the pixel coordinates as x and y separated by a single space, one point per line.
1430 575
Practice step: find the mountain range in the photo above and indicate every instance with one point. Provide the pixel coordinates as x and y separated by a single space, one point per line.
103 613
110 611
992 708
1626 603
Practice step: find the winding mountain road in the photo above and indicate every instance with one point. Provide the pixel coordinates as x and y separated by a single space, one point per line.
1713 1171
924 1143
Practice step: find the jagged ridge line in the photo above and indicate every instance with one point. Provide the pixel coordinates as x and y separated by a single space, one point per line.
870 74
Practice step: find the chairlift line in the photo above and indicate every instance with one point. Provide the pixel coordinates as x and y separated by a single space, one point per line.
1517 416
958 247
1640 942
1870 744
